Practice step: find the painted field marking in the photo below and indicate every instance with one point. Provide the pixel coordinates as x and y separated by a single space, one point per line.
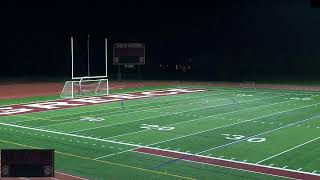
295 147
243 122
119 114
73 135
178 113
235 142
188 155
103 105
105 162
208 130
92 138
202 118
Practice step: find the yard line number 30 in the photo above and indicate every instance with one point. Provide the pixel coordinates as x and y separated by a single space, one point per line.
240 137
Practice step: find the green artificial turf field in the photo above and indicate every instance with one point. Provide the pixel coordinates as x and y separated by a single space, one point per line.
275 128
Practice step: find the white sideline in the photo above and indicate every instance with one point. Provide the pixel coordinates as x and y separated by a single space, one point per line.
68 134
122 143
176 113
283 152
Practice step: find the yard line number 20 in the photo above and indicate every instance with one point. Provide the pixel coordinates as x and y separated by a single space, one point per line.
156 127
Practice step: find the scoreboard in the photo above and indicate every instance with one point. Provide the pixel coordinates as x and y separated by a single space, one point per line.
128 53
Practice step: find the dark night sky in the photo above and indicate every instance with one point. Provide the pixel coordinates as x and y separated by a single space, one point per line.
243 39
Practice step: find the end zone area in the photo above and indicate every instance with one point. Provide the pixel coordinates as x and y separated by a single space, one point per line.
191 132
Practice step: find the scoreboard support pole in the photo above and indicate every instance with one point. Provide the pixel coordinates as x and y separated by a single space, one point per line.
119 72
139 72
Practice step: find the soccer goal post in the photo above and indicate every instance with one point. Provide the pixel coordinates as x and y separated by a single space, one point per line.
85 87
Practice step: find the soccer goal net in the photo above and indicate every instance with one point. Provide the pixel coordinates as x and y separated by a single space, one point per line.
85 87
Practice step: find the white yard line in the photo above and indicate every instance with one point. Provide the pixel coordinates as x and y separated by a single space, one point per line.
176 113
200 118
68 134
224 127
283 152
234 142
119 114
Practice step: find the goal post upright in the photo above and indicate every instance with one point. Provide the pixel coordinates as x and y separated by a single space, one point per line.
88 60
98 83
71 39
106 51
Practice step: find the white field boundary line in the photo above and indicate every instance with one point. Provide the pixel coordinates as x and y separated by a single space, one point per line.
180 137
229 160
149 145
283 152
123 143
203 118
282 127
183 153
135 111
176 113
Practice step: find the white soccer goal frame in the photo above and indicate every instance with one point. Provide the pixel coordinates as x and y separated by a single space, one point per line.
79 82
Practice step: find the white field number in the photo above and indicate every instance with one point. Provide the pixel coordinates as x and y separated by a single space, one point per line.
244 95
303 99
156 127
239 137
